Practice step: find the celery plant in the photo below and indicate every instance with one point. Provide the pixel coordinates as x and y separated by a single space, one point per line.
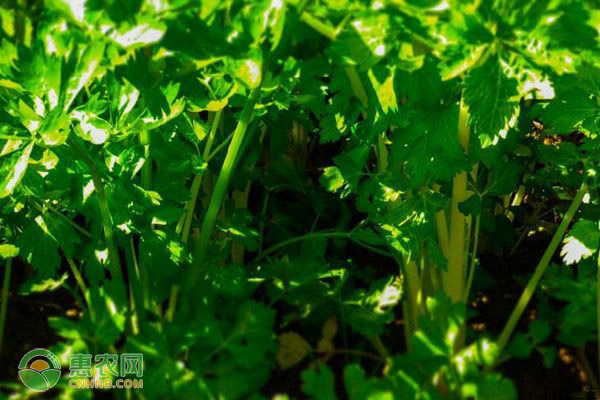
222 184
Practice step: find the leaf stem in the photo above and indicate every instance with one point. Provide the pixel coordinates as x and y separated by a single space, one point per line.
147 167
324 29
78 278
222 184
473 258
82 286
41 209
540 269
316 235
191 205
113 251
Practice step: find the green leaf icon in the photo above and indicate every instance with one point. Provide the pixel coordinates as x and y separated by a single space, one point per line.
34 380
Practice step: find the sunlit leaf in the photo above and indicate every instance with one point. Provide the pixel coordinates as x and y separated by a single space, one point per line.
13 169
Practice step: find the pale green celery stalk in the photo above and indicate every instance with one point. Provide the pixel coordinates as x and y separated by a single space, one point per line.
454 276
191 206
540 269
222 185
414 289
3 310
113 252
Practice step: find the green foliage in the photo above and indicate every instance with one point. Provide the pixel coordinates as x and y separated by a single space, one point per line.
200 177
490 94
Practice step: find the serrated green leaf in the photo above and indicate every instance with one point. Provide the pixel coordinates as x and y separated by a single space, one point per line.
575 107
489 94
570 29
85 70
13 169
581 242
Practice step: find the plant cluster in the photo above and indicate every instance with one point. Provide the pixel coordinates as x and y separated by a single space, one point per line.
257 191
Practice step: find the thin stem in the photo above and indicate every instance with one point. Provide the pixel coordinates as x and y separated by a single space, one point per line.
146 178
147 167
324 29
217 149
316 235
78 278
240 200
222 184
82 286
191 205
312 235
80 229
473 258
379 346
172 303
357 86
136 291
113 252
140 276
262 221
540 269
3 310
